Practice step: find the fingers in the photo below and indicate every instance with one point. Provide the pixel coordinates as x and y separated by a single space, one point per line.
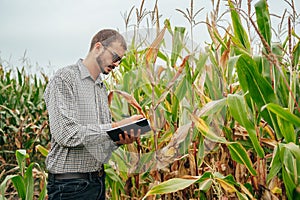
137 117
129 138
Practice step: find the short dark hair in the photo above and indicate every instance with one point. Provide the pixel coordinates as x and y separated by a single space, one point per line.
108 36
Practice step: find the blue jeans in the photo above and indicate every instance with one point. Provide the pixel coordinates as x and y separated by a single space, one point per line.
92 188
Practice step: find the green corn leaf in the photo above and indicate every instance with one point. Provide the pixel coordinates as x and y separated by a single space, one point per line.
118 157
292 147
42 150
113 176
287 129
277 49
171 185
289 184
238 109
145 158
259 88
21 155
177 44
289 172
205 181
212 107
241 196
263 20
239 31
200 65
201 149
3 186
43 192
296 54
283 113
182 89
291 164
205 185
20 82
20 186
239 154
175 107
231 64
294 87
29 183
275 165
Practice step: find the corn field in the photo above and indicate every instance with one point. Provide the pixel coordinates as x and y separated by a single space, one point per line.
225 119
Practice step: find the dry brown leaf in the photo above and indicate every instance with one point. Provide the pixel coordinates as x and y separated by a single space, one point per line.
172 82
169 153
151 54
131 100
110 97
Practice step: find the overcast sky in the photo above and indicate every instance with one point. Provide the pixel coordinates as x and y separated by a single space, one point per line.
58 32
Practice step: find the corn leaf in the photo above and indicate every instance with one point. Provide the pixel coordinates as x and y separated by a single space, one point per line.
29 183
172 185
239 154
177 44
212 107
283 113
21 155
259 88
275 165
263 20
20 186
287 129
42 150
205 130
296 54
289 184
238 109
3 186
239 31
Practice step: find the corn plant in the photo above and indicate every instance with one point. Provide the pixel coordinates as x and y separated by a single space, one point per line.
225 121
24 180
23 125
23 115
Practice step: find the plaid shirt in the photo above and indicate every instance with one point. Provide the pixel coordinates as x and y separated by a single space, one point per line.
79 117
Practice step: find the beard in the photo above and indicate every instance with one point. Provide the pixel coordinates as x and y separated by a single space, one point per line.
101 66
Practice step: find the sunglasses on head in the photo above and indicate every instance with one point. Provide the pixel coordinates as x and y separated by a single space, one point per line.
115 56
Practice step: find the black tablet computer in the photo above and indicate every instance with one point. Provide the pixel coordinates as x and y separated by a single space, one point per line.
142 124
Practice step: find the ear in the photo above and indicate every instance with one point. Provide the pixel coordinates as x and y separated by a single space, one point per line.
98 48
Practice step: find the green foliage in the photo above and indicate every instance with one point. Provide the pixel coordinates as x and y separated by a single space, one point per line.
225 120
23 115
263 20
24 180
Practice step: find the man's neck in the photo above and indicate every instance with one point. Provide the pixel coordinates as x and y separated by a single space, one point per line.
92 66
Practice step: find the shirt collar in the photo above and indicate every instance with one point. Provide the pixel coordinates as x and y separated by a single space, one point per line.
84 72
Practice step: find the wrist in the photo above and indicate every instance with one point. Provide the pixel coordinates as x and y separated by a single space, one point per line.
114 124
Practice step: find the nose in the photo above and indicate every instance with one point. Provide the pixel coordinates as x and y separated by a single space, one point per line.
116 63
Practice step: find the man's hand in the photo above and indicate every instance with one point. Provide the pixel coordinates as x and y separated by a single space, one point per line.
128 139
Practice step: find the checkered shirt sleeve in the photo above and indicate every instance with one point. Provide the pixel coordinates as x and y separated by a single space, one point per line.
79 117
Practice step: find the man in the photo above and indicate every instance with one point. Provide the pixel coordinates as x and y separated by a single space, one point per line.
79 117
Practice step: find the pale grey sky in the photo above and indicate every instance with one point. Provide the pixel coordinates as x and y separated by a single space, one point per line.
58 32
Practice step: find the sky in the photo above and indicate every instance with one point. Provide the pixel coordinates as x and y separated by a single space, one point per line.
55 33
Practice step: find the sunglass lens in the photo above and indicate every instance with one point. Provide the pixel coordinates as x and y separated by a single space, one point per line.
116 58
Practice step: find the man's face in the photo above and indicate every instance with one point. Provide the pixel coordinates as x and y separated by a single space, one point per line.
110 57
